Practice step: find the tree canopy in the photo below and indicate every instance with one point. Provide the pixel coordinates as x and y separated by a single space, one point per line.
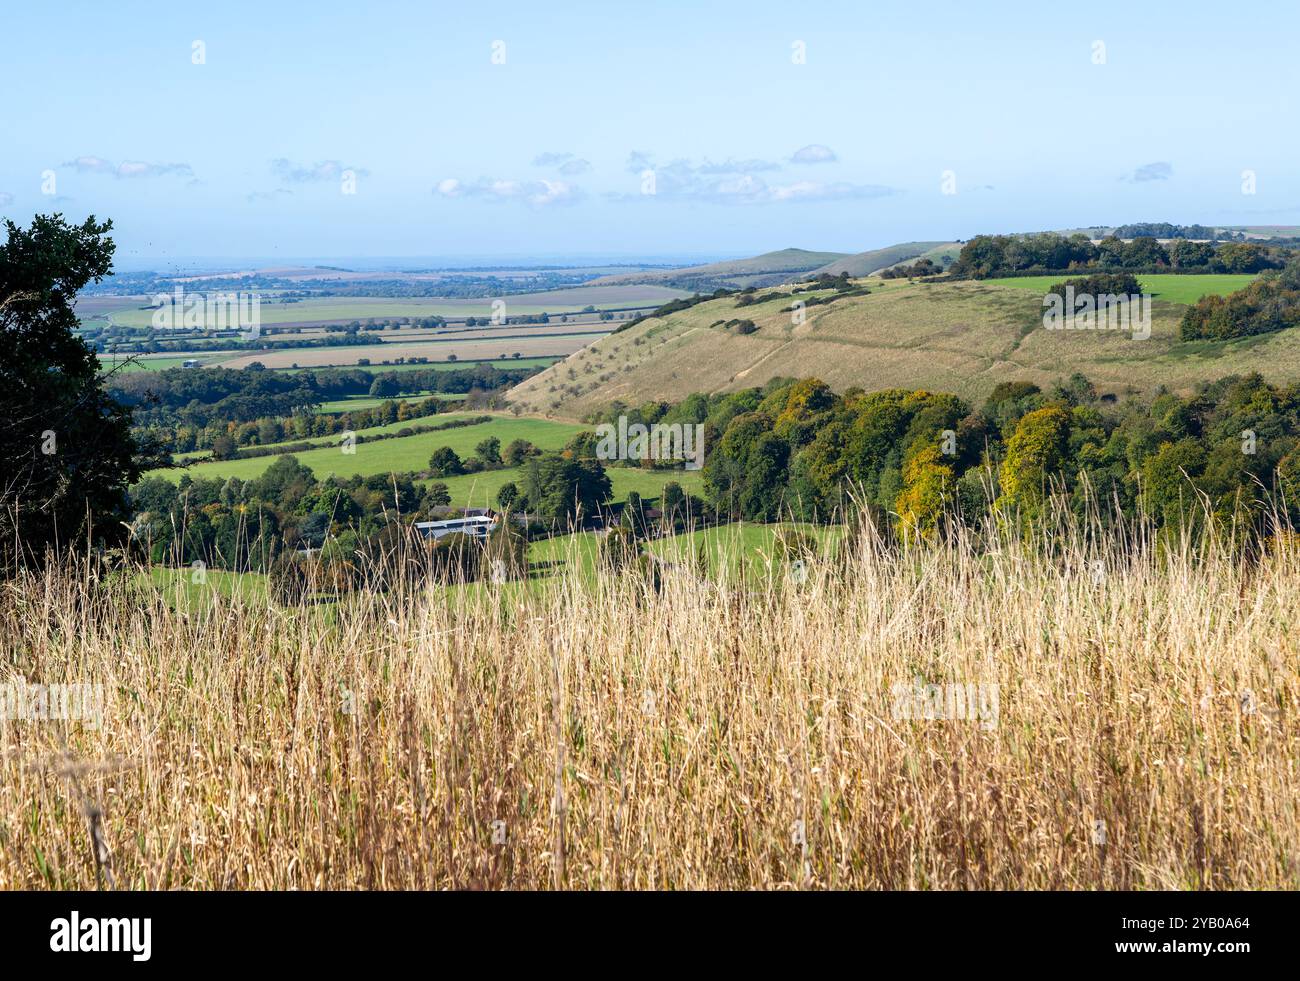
66 449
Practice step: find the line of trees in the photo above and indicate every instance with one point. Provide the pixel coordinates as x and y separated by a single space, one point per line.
796 447
1163 229
990 256
180 410
1270 303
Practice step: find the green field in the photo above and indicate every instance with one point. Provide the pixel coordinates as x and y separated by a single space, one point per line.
357 402
108 362
408 453
1169 287
181 585
736 546
479 490
332 442
394 455
344 309
209 358
729 549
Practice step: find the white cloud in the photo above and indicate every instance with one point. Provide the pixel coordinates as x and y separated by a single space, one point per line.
324 170
6 199
540 193
819 191
552 192
136 168
128 169
279 192
1158 171
730 166
744 185
814 153
568 164
91 165
737 182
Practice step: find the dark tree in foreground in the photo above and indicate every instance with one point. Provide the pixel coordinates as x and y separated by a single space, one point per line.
66 450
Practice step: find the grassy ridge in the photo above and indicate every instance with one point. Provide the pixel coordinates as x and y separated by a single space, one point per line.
866 263
962 337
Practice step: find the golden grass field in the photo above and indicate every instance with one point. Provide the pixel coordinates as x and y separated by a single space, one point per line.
961 337
711 732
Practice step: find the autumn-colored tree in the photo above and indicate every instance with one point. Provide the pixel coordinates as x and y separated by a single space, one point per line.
927 486
806 401
1036 452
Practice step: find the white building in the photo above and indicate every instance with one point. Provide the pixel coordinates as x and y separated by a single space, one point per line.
476 526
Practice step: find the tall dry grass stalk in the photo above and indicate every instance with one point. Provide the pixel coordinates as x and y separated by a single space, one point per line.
729 732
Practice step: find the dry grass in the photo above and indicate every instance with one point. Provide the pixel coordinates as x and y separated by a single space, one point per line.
630 736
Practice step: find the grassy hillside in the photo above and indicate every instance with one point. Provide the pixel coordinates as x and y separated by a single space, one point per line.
946 252
958 337
760 270
866 263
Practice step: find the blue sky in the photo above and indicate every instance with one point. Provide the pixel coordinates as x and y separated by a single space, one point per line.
545 154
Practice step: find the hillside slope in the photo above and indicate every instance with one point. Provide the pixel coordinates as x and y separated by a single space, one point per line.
866 263
954 337
767 269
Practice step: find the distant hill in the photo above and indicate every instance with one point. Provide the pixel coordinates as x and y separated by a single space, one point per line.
961 337
1266 231
767 269
866 263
